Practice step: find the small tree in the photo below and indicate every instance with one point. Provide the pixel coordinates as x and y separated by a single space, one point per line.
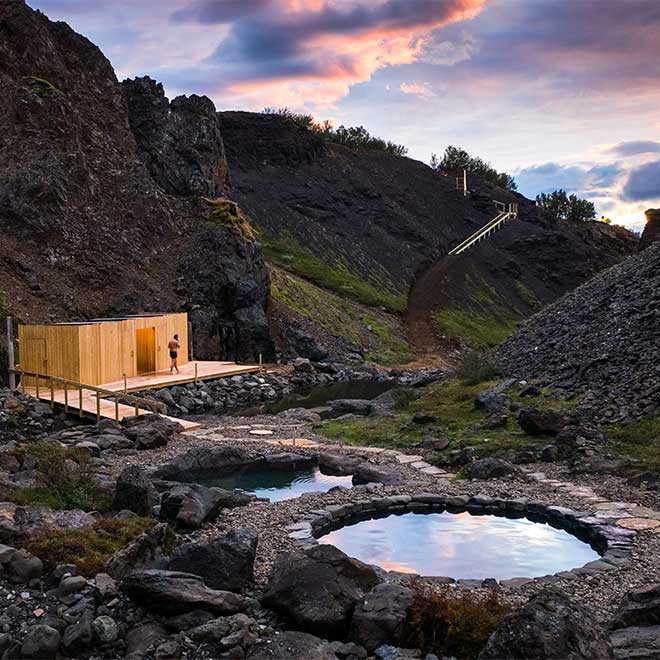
455 158
560 206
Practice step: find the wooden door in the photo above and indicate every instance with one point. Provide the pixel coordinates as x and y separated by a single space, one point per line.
145 350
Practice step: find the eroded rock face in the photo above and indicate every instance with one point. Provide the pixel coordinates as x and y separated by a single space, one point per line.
319 588
170 592
226 562
641 607
549 627
179 142
651 231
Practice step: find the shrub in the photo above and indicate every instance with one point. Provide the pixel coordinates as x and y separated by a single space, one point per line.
89 548
65 480
453 624
476 367
557 205
459 159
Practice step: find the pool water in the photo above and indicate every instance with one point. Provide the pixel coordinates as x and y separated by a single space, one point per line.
314 397
278 485
462 546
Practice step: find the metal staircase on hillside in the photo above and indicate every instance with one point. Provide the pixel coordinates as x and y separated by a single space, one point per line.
506 213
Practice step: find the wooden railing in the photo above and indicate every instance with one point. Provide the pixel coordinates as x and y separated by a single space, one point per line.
76 387
506 213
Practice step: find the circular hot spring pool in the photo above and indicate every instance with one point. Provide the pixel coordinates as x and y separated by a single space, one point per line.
277 485
461 545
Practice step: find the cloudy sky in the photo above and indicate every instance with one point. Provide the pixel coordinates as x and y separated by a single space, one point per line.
560 93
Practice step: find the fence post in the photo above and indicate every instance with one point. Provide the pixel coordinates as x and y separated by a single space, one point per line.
66 397
80 403
125 385
52 394
10 353
195 373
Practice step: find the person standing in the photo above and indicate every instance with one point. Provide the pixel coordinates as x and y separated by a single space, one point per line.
174 346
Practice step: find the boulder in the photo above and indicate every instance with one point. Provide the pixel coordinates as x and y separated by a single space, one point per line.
490 468
338 464
636 643
318 589
150 431
23 567
78 636
142 637
549 627
191 505
303 415
640 607
574 440
494 400
289 461
200 462
304 345
367 473
226 562
302 365
380 618
40 642
541 422
170 592
105 629
19 522
291 645
134 492
146 551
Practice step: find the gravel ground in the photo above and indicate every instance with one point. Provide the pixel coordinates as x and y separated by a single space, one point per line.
601 592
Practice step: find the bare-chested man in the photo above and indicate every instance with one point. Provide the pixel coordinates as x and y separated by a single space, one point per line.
174 347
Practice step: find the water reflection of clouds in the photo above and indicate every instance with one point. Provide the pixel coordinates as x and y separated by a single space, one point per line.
462 545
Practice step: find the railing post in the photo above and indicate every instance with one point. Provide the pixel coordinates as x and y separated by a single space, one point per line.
66 398
10 353
98 407
80 400
125 385
37 385
195 373
116 408
52 393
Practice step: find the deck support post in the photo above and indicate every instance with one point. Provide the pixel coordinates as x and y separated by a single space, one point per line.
10 353
190 342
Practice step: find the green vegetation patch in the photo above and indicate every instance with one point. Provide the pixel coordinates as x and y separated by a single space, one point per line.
451 402
448 624
638 443
331 273
65 480
42 87
472 329
375 333
230 215
89 548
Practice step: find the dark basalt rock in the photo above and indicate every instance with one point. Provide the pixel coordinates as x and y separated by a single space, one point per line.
318 589
150 431
549 627
380 618
170 592
226 562
203 461
179 142
641 607
651 232
541 422
490 468
134 492
366 473
191 505
291 645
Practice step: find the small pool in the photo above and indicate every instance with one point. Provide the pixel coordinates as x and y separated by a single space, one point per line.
462 546
313 397
278 485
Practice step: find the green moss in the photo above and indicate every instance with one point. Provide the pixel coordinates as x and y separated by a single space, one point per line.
472 329
332 273
638 443
527 296
451 402
89 548
376 333
42 87
229 214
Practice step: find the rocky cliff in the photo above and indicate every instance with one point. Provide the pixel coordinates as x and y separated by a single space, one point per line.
100 210
651 231
599 340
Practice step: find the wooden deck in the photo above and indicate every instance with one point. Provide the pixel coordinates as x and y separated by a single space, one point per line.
109 409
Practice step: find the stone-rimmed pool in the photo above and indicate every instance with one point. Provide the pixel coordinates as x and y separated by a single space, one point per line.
462 545
277 484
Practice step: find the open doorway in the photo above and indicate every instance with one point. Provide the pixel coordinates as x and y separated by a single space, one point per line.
145 350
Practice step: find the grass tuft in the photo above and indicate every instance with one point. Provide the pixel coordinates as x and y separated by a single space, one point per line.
474 330
89 548
229 214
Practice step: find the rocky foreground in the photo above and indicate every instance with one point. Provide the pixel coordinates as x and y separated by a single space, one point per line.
139 560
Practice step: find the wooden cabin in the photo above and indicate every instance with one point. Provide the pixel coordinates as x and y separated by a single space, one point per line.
103 350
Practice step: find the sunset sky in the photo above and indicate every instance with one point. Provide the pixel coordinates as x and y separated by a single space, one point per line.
559 93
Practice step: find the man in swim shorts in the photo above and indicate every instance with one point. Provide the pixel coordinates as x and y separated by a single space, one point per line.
174 347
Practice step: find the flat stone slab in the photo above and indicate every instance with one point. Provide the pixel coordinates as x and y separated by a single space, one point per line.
406 458
638 524
260 432
611 506
433 470
372 450
418 465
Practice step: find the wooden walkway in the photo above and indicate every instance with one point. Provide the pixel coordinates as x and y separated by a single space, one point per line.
75 401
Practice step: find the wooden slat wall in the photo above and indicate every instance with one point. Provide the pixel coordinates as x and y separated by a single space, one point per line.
103 352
